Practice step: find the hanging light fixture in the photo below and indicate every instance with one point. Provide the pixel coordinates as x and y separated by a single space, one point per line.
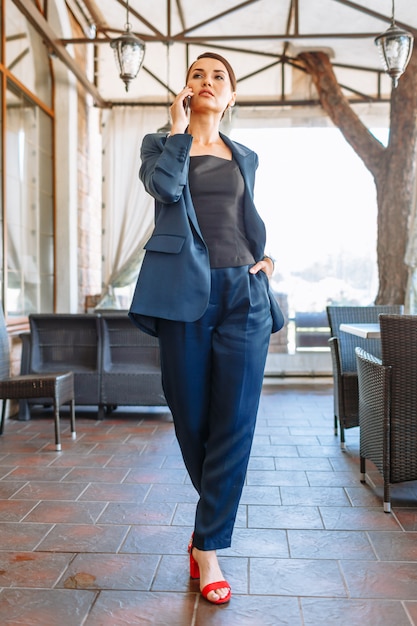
395 47
129 51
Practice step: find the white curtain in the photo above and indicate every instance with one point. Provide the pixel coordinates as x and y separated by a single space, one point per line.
127 209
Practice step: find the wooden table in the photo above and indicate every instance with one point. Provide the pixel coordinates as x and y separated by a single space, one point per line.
366 331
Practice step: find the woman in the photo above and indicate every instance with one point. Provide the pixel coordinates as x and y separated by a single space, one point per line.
203 289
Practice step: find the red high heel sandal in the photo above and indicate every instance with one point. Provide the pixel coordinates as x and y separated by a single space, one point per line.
221 584
194 569
195 573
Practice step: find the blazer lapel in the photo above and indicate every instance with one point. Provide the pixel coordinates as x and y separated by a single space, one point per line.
255 228
240 154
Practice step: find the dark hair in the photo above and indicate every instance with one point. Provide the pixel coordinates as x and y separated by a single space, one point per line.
213 55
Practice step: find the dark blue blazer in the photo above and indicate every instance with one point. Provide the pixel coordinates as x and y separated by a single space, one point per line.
174 280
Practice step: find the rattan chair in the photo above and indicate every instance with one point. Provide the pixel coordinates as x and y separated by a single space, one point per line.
131 370
57 387
388 403
342 348
68 341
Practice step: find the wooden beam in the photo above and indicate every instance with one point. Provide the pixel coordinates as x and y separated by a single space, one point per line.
214 18
379 16
207 38
142 19
96 15
35 17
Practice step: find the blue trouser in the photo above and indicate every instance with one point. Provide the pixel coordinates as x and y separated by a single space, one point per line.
212 373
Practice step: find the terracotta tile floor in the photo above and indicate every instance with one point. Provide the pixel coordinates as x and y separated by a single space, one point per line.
96 535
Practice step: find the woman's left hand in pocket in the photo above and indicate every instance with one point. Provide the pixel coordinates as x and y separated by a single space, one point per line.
266 265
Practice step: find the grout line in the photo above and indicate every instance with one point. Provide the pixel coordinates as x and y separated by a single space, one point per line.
194 618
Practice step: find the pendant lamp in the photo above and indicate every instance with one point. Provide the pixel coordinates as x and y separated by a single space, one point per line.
395 46
129 51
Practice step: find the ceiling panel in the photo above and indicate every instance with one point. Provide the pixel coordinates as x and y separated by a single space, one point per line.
253 35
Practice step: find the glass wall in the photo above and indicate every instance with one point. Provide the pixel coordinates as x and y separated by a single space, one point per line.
26 55
29 206
313 190
28 212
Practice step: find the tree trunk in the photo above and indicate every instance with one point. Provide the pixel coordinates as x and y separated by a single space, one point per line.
393 167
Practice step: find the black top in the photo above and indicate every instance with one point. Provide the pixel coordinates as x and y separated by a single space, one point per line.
217 189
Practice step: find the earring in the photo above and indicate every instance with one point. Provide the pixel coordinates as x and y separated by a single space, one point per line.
229 108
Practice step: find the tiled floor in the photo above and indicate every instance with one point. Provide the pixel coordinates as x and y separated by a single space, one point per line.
96 535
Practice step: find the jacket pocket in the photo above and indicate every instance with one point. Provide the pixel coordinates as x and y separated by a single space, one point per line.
165 243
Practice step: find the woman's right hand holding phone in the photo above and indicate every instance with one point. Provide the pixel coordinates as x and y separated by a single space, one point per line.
179 111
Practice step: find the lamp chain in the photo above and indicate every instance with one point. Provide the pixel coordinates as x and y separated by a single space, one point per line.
127 25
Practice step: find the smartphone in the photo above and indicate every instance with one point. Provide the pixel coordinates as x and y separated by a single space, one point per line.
187 103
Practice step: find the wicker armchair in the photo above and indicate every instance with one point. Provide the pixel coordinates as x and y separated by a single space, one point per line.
57 386
388 403
71 342
342 348
130 371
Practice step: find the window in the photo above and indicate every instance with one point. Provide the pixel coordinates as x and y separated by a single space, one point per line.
28 214
318 201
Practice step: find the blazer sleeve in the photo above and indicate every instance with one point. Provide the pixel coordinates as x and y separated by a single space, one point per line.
164 167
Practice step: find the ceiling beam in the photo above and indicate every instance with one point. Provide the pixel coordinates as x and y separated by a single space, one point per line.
179 38
379 16
96 15
295 13
214 18
276 102
141 18
180 13
35 17
272 36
